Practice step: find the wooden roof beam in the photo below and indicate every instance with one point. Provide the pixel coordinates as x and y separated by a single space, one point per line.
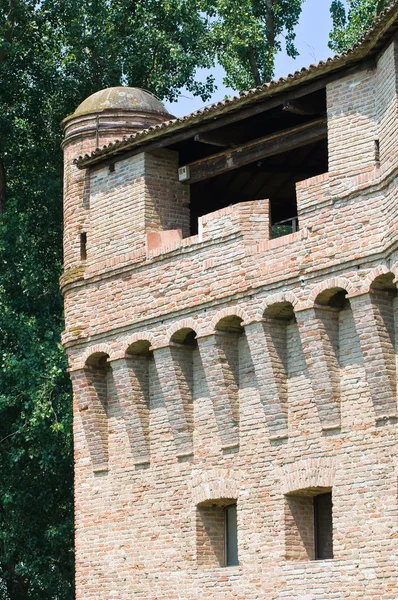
271 145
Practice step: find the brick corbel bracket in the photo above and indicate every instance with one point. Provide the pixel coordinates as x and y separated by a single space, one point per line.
268 352
90 397
374 324
222 387
176 398
131 382
318 327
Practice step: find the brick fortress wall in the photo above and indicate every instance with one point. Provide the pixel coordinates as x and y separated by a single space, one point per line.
288 389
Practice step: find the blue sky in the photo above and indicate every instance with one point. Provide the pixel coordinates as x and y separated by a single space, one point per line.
312 35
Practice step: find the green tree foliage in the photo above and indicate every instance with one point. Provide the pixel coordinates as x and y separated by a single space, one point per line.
246 35
349 25
53 54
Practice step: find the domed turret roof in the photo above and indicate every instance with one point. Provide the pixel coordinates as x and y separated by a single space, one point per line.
122 98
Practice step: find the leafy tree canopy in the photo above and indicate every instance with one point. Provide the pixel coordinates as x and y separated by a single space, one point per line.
53 54
246 35
349 25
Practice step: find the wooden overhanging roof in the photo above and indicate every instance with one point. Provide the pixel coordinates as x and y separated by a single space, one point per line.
254 101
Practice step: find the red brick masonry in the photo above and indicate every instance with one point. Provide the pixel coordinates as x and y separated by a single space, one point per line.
288 390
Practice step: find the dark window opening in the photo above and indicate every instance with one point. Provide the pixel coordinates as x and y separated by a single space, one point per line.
290 146
377 153
217 534
273 178
309 525
323 526
231 536
83 246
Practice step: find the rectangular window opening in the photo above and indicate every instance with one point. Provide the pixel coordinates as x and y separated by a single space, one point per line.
217 534
261 156
83 246
309 525
377 153
231 536
323 527
285 227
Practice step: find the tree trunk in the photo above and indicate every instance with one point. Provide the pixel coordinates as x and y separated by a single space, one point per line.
254 66
270 23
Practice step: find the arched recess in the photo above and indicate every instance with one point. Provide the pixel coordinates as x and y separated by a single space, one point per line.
174 364
220 356
184 324
91 394
327 285
276 299
132 382
95 351
375 320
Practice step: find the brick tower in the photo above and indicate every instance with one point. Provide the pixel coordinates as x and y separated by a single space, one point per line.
231 330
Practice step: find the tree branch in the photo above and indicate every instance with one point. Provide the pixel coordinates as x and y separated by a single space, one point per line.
254 66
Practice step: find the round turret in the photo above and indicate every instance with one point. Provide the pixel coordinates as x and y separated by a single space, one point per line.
104 117
114 112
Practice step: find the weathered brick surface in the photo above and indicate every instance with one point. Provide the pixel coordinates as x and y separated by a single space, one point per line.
290 390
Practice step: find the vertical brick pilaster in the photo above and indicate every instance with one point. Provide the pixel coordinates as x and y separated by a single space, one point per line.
90 392
267 343
219 354
132 387
177 394
374 322
319 332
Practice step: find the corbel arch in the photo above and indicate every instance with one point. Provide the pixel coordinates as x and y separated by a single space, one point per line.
278 298
138 337
98 349
188 323
333 283
376 273
230 311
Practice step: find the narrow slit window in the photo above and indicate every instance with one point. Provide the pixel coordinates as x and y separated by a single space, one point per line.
83 246
231 536
323 526
377 153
